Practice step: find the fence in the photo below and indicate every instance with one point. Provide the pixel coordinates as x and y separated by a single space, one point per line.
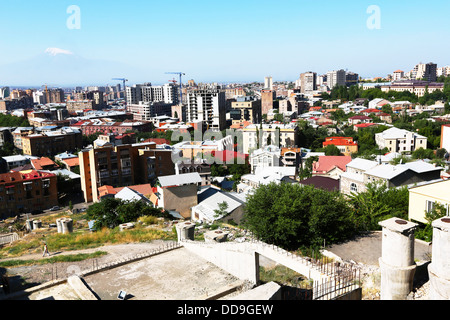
8 238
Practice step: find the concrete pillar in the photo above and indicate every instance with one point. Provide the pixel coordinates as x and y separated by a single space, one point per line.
397 259
185 231
439 268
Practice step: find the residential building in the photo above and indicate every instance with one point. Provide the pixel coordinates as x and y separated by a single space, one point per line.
360 172
255 136
322 182
424 71
269 156
308 82
208 205
416 87
291 157
27 192
147 93
424 197
145 111
44 163
265 176
445 137
105 126
18 161
6 135
52 142
247 109
336 78
359 119
122 165
56 95
330 166
346 145
400 140
207 104
189 151
268 83
398 75
351 79
140 191
178 193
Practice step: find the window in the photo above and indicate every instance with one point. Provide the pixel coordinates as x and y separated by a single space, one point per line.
429 206
353 187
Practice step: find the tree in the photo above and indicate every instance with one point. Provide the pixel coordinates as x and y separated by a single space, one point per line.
426 232
332 150
292 215
111 212
222 211
378 203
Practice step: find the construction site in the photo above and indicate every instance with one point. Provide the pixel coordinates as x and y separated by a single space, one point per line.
217 269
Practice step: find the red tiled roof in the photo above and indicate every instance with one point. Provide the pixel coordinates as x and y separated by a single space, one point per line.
158 140
365 125
38 164
327 163
339 141
72 162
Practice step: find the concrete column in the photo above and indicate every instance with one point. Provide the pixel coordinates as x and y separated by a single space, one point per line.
185 231
397 259
439 268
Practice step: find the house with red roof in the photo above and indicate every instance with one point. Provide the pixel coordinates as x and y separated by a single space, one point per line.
358 126
359 119
345 144
330 166
44 163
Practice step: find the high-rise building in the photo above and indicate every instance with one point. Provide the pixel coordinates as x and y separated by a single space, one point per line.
122 165
268 83
351 78
4 92
424 71
398 75
247 109
146 92
55 96
308 82
336 78
207 104
267 98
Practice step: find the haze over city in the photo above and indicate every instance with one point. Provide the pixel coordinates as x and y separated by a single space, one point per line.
232 41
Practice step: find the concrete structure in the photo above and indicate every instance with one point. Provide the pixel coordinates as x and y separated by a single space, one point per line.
256 136
123 165
185 231
336 78
248 110
400 140
178 193
416 87
308 82
438 270
207 104
53 142
397 261
268 156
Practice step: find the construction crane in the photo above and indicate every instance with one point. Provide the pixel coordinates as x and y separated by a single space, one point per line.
124 87
181 74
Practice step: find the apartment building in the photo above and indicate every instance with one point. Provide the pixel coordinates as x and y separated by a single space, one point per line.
145 111
27 192
308 82
106 126
247 109
360 172
207 104
52 142
122 165
255 136
424 71
336 78
400 140
167 93
417 87
398 75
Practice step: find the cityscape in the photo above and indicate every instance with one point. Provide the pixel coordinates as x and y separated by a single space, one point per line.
197 170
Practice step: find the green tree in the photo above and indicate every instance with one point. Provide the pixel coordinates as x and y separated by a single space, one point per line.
378 203
291 215
332 150
426 232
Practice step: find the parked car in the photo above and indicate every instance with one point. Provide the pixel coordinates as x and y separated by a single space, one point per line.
55 208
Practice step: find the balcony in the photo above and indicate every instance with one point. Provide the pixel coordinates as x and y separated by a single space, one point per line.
104 174
126 172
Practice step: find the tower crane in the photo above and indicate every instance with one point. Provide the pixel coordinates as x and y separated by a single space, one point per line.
181 74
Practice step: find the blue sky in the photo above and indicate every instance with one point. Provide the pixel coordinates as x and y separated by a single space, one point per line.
232 40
